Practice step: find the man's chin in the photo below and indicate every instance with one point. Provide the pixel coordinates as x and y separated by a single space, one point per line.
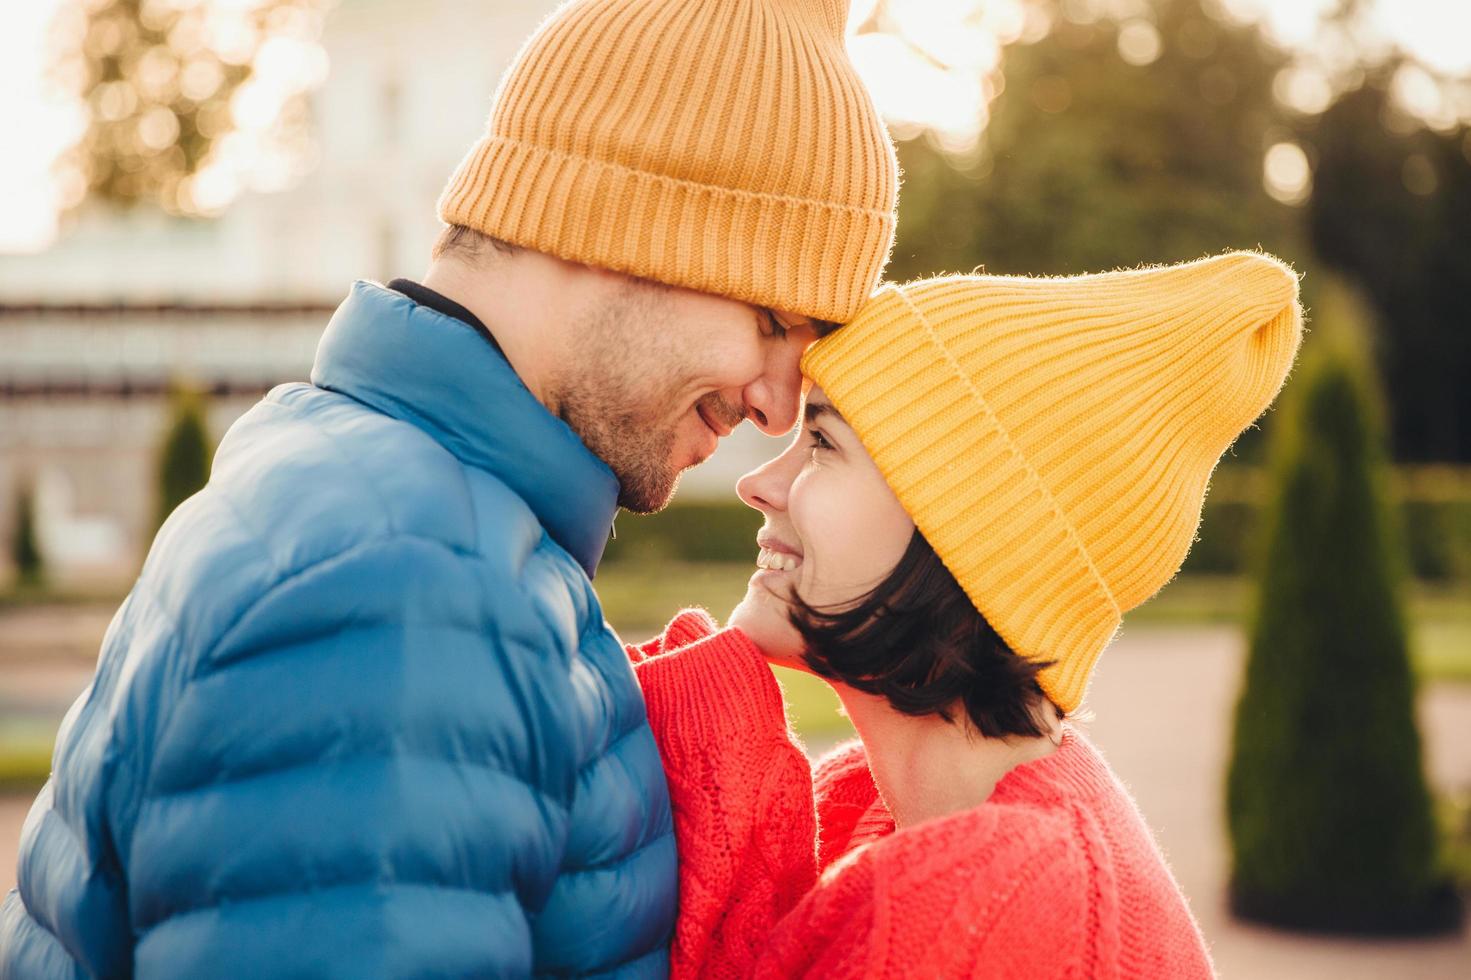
700 450
640 496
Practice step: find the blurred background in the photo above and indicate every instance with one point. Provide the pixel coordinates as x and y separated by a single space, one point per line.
188 187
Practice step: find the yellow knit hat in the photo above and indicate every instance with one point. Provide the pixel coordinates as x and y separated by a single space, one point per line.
726 147
1053 437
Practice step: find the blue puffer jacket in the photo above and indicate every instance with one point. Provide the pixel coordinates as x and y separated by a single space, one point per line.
361 715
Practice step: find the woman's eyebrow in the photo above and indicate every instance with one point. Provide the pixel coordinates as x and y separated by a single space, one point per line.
816 410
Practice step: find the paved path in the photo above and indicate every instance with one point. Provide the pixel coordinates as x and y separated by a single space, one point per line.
1162 700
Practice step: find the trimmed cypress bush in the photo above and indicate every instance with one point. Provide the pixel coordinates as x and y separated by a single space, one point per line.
30 567
184 458
1330 819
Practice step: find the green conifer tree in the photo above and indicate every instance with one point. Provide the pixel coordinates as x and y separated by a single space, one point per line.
30 567
184 460
1330 819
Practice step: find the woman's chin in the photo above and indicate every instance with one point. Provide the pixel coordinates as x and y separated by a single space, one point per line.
764 620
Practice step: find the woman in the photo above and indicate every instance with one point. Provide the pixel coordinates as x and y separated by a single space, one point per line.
990 471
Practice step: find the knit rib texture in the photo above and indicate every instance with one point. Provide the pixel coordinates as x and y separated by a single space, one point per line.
726 146
1053 438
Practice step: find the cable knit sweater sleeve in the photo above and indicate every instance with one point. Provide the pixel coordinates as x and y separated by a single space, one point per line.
741 791
751 901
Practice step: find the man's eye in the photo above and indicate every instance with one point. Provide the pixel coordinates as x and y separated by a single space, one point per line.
777 330
819 441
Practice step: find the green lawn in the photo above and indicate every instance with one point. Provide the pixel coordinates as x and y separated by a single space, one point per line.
813 707
1453 813
14 595
24 766
1443 649
640 597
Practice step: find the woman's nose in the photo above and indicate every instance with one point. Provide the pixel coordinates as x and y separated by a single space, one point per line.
765 487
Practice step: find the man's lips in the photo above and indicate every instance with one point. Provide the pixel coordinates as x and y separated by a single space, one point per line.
721 431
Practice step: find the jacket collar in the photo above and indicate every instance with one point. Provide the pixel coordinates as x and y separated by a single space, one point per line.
419 365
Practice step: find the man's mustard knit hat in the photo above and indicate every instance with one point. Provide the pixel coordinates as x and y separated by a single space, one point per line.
1053 437
726 147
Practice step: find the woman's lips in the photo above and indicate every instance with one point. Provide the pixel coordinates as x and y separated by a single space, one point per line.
778 561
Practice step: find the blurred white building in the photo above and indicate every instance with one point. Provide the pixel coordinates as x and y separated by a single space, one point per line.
93 329
408 91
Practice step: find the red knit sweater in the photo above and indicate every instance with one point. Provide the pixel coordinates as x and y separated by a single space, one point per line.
784 873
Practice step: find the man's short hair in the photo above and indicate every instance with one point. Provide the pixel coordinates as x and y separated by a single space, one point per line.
465 241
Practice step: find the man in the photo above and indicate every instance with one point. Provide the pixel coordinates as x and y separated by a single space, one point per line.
361 715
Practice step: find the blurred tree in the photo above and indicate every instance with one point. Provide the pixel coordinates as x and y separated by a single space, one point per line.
184 460
1111 143
1144 138
165 84
1330 820
30 568
1392 210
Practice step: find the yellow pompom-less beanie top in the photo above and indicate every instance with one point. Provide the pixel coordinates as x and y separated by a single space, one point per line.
1053 437
726 146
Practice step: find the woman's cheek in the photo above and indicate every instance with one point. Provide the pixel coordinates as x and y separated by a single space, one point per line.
831 556
852 536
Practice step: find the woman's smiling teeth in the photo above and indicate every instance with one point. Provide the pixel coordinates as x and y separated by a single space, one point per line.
777 561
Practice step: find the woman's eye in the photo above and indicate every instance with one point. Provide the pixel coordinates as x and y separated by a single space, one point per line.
819 441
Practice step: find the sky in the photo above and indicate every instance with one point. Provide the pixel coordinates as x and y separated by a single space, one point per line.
40 122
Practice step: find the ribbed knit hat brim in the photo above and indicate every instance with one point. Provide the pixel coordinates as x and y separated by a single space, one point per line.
1053 437
814 257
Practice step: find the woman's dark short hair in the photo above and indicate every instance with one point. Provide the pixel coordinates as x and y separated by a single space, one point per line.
917 640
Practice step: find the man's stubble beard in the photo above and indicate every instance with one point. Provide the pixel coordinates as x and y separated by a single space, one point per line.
616 389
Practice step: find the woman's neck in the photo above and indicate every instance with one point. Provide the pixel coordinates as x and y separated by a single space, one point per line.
926 767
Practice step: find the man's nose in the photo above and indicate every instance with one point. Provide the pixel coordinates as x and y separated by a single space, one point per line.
773 400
